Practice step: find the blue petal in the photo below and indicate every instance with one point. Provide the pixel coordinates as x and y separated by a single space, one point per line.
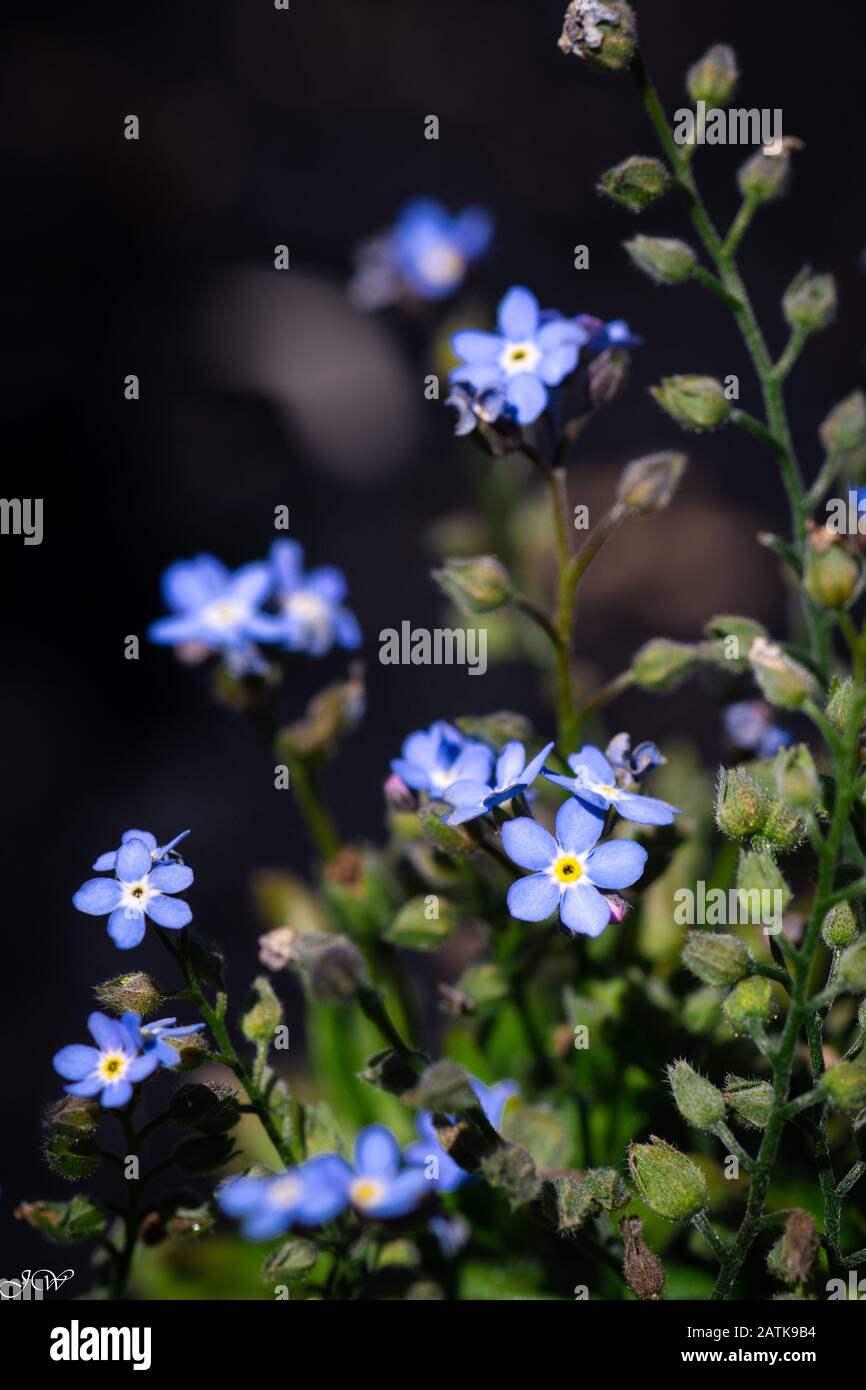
143 1067
98 896
462 814
466 793
171 878
287 558
645 810
595 763
326 1180
527 843
473 764
402 1194
473 230
242 1195
172 913
252 583
534 898
119 1093
104 862
510 763
480 375
518 314
133 861
555 366
173 632
377 1152
615 864
578 826
583 910
89 1088
126 928
75 1062
145 835
472 347
189 584
532 769
528 395
107 1033
347 629
493 1099
559 333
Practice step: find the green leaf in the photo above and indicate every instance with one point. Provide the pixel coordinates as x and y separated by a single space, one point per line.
72 1159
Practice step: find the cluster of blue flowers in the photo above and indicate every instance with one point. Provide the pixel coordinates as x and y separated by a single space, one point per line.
380 1183
509 374
126 1052
424 256
571 872
274 601
146 876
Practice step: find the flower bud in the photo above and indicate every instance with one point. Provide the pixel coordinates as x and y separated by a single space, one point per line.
742 804
839 928
607 1188
648 484
783 681
669 1182
695 402
852 968
605 34
479 585
192 1050
398 795
716 958
783 831
844 1085
636 182
749 1004
264 1012
839 705
662 665
697 1099
751 1100
713 78
792 1257
726 626
844 430
291 1260
797 777
832 572
757 872
643 1271
664 259
73 1116
335 968
809 302
764 177
134 993
606 378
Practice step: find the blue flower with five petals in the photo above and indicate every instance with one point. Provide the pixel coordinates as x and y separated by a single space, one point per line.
158 853
214 609
433 759
139 889
594 783
311 615
432 250
108 1070
376 1184
569 871
530 353
448 1174
512 776
268 1205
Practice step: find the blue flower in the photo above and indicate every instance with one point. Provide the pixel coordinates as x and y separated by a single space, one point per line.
149 1038
311 616
426 254
600 335
108 1070
569 871
139 889
449 1175
376 1186
749 724
512 776
594 783
431 761
530 352
158 853
630 766
488 406
214 609
269 1205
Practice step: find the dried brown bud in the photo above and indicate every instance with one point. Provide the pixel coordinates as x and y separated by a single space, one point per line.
644 1272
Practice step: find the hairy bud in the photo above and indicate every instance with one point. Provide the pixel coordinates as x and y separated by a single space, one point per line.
764 177
648 484
669 1182
844 1085
742 804
713 78
695 402
751 1100
839 928
661 665
793 1256
750 1004
479 585
636 182
697 1099
852 968
832 571
716 958
783 681
809 302
666 260
797 777
133 993
264 1012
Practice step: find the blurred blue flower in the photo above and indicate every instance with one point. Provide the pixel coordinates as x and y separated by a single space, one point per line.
139 889
749 725
448 1174
214 609
432 760
594 782
268 1205
158 853
150 1037
376 1184
599 336
569 871
512 775
108 1070
530 353
426 254
311 615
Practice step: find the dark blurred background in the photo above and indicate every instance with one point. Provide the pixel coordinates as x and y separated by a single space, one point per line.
261 127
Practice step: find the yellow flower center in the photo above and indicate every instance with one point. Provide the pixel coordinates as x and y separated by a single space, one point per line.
441 264
567 869
520 357
113 1066
366 1192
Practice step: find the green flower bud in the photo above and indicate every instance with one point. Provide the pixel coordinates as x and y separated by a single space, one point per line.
742 804
648 484
670 1183
716 958
192 1051
809 302
293 1259
713 78
758 873
605 34
664 259
662 665
726 626
751 1100
783 831
839 928
832 572
797 777
264 1012
764 177
844 1085
607 1188
838 708
852 968
844 430
792 1257
567 1202
695 402
697 1099
783 681
134 993
73 1117
636 182
749 1004
479 585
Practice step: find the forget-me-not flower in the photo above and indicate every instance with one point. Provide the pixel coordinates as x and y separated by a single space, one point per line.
450 1175
512 775
150 1037
108 1070
311 616
569 871
139 889
214 609
530 353
268 1205
158 853
426 254
630 765
432 760
594 783
749 724
376 1184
